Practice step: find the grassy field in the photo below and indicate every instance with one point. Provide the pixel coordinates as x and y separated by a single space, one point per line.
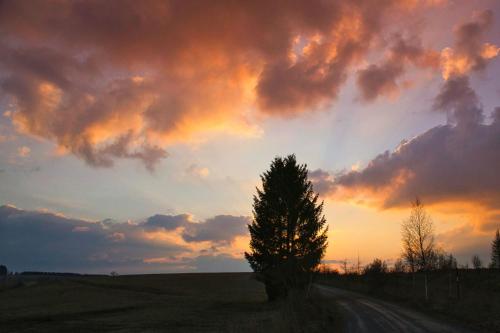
154 303
474 300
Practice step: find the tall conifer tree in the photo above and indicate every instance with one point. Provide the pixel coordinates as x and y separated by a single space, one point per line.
495 251
288 231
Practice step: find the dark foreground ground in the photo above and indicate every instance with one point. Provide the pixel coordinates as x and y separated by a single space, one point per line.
195 303
466 296
362 313
156 303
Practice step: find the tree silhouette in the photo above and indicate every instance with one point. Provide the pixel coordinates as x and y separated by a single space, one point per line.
418 240
399 266
3 270
495 251
288 231
377 266
445 260
375 274
418 237
476 262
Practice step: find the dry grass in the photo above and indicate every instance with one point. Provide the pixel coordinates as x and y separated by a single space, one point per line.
154 303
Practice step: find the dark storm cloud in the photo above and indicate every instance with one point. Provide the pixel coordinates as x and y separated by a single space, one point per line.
36 240
288 86
167 222
382 79
44 241
322 181
460 102
452 162
469 38
469 52
458 161
219 229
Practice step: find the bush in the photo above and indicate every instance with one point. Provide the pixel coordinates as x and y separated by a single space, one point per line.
376 267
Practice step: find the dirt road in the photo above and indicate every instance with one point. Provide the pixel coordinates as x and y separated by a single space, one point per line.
365 314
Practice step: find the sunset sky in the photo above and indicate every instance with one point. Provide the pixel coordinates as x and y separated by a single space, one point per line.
133 133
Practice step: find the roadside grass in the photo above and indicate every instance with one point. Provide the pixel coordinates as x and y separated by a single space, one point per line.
474 300
232 302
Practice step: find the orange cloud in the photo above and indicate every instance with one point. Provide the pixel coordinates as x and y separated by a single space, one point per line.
23 151
197 171
457 162
469 53
162 260
124 79
453 168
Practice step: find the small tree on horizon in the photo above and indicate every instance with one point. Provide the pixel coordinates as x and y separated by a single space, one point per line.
418 237
418 240
445 261
377 266
476 262
400 266
495 251
288 231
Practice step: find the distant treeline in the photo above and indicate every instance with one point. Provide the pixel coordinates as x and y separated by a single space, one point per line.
429 278
57 274
4 272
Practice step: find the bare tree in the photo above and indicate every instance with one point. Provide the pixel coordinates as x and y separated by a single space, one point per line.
418 240
399 266
409 257
444 260
377 266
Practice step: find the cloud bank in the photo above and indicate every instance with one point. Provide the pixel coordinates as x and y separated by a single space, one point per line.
447 163
454 165
382 79
45 241
219 229
124 79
